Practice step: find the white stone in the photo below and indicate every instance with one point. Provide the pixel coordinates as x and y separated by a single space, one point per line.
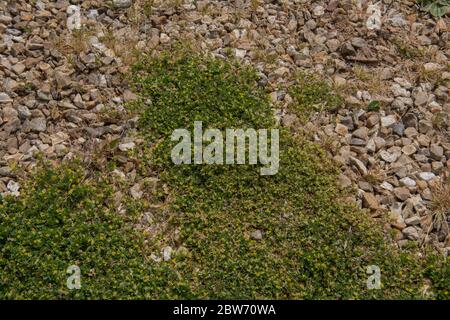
408 182
432 67
403 82
136 192
4 98
118 173
318 11
240 53
13 186
388 157
167 253
155 258
387 186
388 120
126 146
399 91
426 176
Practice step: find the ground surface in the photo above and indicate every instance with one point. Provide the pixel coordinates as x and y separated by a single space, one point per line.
364 117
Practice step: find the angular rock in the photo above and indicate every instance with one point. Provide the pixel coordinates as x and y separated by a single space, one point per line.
361 133
411 233
359 165
388 157
370 201
426 176
408 182
388 121
436 152
256 235
38 124
402 193
4 98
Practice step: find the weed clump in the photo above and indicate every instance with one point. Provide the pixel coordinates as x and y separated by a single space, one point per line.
311 94
312 245
63 219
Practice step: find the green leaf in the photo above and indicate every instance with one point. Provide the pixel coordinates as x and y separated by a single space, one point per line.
114 144
373 105
437 10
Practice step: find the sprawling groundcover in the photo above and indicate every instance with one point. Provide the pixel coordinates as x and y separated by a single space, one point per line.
313 245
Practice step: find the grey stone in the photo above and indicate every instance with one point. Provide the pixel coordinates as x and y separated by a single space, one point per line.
387 156
425 126
359 165
361 133
388 120
373 120
399 91
4 98
426 176
38 124
347 49
409 150
9 114
136 191
413 221
410 120
365 186
357 142
407 182
387 186
371 146
436 152
358 42
411 233
402 193
256 235
432 67
13 186
333 44
411 132
370 201
386 74
420 99
63 80
347 121
23 112
403 83
398 129
379 142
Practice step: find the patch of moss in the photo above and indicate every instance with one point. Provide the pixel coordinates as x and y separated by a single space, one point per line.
313 246
221 95
63 219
